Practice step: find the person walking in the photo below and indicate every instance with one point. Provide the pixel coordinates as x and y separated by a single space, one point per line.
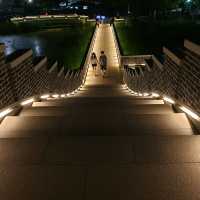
103 63
97 23
94 62
111 21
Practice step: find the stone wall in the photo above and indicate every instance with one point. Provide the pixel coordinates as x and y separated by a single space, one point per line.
178 76
6 91
21 77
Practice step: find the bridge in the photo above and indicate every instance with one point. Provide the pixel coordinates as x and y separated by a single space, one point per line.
103 139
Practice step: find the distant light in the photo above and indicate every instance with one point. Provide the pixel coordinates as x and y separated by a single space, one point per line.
98 17
62 4
85 7
76 7
29 101
63 95
30 1
5 112
167 99
46 96
189 112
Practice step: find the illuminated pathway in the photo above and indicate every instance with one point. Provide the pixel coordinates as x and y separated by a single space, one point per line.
100 144
105 41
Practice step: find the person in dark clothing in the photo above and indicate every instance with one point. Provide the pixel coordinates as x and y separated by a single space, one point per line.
103 63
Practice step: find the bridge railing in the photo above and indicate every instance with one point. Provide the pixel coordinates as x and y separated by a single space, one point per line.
116 45
177 76
23 78
48 17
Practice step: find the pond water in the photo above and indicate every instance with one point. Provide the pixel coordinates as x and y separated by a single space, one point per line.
67 46
15 42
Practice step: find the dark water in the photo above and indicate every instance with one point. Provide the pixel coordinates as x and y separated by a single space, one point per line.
67 46
15 42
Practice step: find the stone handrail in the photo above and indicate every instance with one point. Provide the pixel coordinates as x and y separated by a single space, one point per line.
87 61
117 46
178 77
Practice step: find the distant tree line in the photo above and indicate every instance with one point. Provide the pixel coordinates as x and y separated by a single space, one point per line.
150 7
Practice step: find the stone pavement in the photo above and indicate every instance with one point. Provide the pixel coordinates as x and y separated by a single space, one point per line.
101 143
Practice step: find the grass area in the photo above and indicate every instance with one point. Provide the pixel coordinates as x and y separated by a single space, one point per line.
138 37
67 45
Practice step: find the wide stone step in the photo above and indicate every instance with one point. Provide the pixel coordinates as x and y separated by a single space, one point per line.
128 181
104 124
96 101
99 149
142 182
41 182
139 150
94 110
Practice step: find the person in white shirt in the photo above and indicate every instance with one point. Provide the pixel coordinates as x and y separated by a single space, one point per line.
94 62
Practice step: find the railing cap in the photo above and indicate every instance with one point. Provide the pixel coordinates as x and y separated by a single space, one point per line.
18 57
192 46
53 67
172 56
39 63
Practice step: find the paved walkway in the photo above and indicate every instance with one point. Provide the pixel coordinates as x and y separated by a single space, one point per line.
101 144
105 41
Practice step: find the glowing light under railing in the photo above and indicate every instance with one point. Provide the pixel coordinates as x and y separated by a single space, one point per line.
146 94
167 99
155 95
26 102
140 94
63 95
55 95
130 90
5 112
124 86
190 113
46 96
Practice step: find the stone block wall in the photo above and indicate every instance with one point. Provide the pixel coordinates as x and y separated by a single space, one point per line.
189 89
21 77
6 90
21 74
177 77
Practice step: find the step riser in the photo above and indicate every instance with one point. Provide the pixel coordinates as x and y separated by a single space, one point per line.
100 101
101 125
91 109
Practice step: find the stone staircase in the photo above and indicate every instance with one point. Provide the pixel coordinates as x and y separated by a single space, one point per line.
100 143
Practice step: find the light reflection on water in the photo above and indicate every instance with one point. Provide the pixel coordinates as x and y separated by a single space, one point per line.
16 42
